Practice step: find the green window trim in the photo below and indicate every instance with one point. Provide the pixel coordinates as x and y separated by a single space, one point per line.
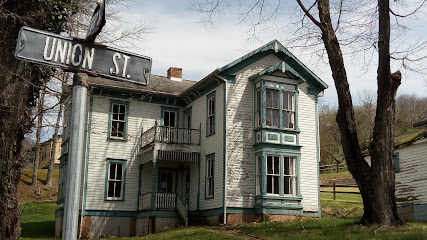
169 109
261 172
283 89
126 120
109 162
210 176
210 113
396 162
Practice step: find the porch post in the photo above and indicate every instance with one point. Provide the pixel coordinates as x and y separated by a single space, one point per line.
153 188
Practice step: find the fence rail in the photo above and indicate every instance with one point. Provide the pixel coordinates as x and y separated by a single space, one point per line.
335 186
334 166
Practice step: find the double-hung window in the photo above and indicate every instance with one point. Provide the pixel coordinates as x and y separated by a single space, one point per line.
210 123
272 108
258 109
210 176
279 176
273 174
115 179
289 175
288 112
118 119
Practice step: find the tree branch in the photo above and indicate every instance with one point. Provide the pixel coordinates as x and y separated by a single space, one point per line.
309 14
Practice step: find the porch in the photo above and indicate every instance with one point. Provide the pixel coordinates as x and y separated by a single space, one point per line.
169 143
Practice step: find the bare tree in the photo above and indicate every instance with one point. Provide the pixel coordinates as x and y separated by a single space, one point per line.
365 29
40 106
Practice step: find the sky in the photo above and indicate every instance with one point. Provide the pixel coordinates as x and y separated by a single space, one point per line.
178 38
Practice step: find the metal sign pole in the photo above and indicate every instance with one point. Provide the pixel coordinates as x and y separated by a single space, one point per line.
76 154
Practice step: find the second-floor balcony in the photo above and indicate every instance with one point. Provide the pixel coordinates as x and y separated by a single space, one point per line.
169 135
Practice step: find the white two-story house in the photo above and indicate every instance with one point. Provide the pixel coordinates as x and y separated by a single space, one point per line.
238 145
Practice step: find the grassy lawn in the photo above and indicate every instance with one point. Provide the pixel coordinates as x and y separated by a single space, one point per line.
337 222
38 220
334 175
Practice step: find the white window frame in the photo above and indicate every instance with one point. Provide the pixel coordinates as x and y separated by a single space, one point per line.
289 109
275 173
210 176
116 122
115 181
273 109
210 128
292 175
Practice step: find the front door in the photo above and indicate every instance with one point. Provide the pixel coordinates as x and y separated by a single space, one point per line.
166 181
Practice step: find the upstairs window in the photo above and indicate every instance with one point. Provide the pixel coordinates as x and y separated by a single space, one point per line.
272 108
118 120
258 109
288 112
210 121
275 107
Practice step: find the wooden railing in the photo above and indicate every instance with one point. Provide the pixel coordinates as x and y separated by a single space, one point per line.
165 200
161 201
336 167
182 209
335 191
145 201
170 135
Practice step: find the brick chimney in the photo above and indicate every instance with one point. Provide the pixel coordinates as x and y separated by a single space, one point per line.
175 74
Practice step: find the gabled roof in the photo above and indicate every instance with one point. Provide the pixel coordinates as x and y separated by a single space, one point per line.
289 63
157 84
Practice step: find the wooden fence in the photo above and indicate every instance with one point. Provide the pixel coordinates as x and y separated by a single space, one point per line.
335 186
334 166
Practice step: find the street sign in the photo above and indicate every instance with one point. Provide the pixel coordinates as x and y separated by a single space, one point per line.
97 22
77 55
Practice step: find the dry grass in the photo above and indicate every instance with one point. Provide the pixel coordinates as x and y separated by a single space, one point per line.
27 193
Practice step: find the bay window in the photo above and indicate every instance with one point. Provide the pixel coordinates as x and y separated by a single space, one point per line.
272 108
275 107
278 177
288 112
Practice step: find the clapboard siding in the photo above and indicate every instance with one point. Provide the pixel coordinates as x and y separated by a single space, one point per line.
141 115
240 135
240 138
411 181
209 145
307 139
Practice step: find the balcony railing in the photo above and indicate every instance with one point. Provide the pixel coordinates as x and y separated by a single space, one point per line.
170 135
161 201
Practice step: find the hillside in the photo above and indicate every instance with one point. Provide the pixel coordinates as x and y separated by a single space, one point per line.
27 193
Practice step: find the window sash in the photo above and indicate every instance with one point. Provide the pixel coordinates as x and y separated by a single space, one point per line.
288 112
118 120
211 115
272 108
289 176
258 109
115 181
209 177
273 174
169 118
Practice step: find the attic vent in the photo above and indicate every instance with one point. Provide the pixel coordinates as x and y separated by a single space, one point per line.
175 74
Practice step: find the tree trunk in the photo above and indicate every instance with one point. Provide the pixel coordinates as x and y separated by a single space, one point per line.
53 149
376 183
40 106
